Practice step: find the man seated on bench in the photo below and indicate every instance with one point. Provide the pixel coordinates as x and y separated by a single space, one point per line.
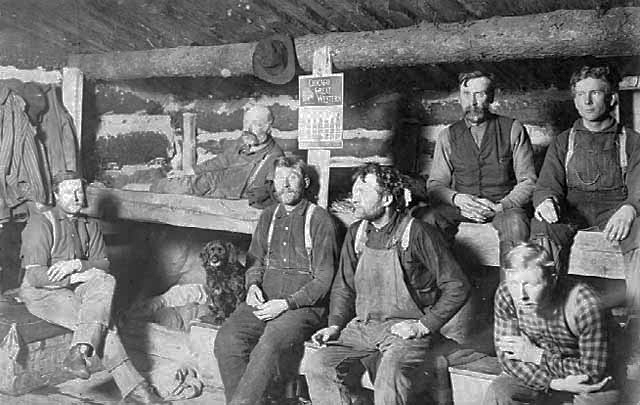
66 282
482 169
591 178
396 286
244 170
291 263
550 335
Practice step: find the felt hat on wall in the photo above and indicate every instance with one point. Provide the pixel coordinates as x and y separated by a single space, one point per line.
274 59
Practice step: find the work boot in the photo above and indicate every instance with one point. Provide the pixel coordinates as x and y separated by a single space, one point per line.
143 393
75 363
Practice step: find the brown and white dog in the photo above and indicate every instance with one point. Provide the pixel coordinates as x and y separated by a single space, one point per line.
225 278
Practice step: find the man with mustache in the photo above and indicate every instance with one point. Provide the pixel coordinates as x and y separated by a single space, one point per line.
591 178
67 282
243 170
290 265
396 286
482 168
550 335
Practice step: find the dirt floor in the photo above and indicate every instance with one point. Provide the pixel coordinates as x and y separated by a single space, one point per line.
99 389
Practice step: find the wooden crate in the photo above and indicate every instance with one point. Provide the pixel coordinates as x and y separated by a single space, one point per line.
31 350
470 381
593 255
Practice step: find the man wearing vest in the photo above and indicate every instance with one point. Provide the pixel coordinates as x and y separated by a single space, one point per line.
591 178
397 284
551 336
67 282
290 265
482 168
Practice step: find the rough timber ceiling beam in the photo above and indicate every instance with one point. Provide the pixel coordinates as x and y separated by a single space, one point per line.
563 33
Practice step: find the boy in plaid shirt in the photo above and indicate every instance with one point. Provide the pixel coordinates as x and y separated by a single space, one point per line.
550 335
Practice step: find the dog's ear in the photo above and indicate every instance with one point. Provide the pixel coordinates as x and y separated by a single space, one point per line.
232 253
204 253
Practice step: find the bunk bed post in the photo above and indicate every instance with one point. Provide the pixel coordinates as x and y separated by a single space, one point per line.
72 87
319 158
188 142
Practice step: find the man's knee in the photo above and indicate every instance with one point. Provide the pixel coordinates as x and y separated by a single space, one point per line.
226 341
316 362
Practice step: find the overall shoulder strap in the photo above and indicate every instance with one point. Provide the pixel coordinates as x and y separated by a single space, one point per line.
622 152
54 230
404 242
308 242
361 237
270 235
402 233
570 148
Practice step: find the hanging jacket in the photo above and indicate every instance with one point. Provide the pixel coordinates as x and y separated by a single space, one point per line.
58 134
20 169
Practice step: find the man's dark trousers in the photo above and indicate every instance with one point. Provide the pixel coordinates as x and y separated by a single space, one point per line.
251 352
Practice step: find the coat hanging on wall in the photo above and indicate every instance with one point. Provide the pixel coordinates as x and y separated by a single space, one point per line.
21 177
58 134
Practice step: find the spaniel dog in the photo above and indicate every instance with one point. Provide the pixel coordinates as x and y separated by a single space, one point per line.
225 278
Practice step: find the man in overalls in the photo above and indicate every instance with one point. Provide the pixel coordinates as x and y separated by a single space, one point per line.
290 265
397 284
591 178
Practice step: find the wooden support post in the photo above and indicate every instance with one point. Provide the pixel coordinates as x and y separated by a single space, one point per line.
72 87
188 142
319 158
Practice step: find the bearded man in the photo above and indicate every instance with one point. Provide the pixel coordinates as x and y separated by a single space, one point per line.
396 286
290 265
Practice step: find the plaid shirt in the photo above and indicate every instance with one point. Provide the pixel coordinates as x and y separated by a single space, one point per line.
564 353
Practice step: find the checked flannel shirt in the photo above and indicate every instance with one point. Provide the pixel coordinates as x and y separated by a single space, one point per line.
565 353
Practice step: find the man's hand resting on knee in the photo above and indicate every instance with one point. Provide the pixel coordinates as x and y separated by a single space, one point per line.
86 275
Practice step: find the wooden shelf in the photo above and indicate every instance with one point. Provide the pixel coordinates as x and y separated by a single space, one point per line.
172 209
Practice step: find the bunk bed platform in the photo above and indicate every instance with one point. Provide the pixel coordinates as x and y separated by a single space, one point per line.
172 209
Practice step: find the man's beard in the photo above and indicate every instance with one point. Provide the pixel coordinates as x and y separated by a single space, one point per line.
249 138
289 196
370 215
476 115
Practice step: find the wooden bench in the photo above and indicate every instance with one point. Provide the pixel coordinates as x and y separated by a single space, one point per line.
31 350
591 254
469 382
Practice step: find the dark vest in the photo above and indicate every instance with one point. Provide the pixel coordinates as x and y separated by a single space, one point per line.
485 171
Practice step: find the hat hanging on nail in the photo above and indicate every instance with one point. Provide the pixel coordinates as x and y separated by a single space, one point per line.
274 59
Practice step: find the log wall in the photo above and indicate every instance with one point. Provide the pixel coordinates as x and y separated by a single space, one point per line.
132 124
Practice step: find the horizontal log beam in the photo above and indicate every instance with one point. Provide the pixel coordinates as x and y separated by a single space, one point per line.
562 33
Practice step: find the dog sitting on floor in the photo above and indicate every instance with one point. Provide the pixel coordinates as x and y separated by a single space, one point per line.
225 279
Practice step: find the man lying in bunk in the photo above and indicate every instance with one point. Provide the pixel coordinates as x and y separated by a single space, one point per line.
244 170
551 336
